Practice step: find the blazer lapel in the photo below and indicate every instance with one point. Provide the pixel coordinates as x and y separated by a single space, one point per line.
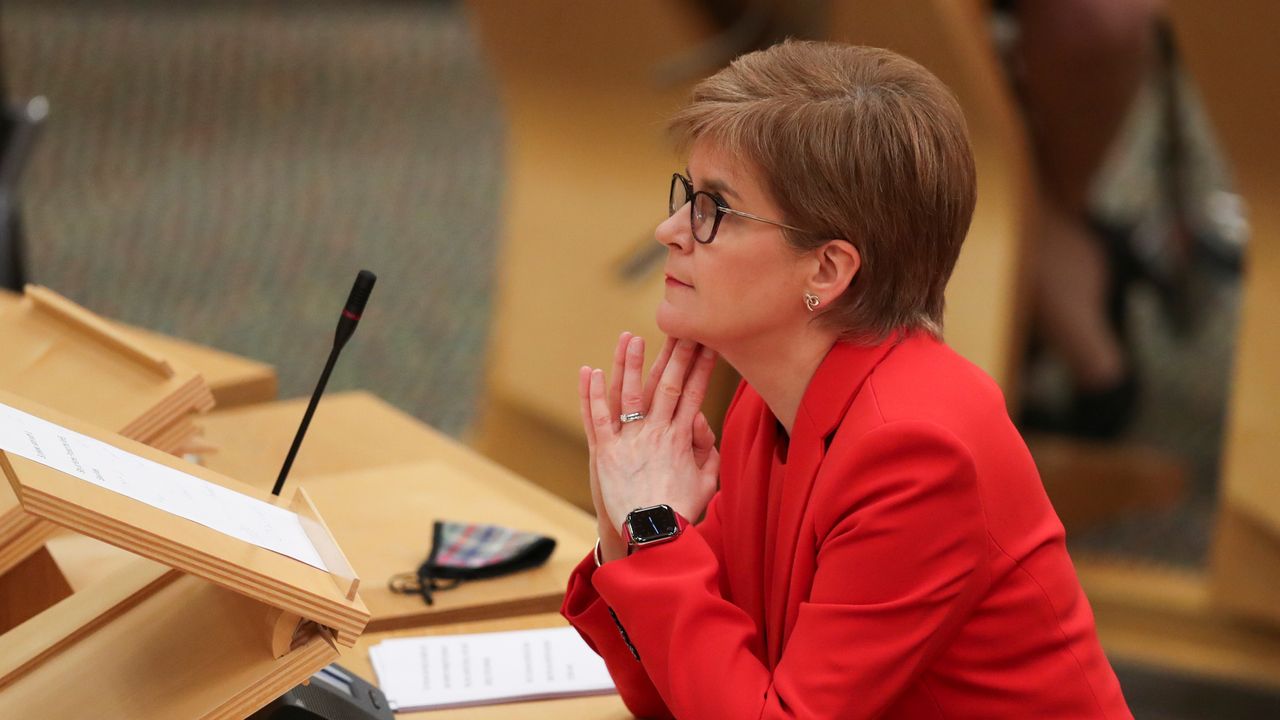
826 399
749 513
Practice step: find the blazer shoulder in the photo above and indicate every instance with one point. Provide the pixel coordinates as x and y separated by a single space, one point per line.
892 467
924 379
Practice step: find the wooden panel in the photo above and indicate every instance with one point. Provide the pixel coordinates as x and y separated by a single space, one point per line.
234 380
20 533
1164 617
380 478
1245 562
1229 48
985 315
107 334
26 647
602 707
85 561
1093 482
588 169
29 588
189 650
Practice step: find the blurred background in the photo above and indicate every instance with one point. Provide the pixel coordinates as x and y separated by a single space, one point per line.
217 171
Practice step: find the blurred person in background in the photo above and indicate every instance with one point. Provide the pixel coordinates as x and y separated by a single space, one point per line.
874 538
1078 66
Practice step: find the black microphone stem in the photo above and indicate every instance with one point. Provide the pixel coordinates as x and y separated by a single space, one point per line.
306 419
346 327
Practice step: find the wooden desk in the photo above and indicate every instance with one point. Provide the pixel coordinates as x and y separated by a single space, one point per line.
234 380
599 707
379 478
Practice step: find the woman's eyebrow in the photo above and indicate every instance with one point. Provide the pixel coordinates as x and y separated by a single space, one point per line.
715 186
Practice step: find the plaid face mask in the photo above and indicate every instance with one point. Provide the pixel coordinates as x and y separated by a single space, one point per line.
471 551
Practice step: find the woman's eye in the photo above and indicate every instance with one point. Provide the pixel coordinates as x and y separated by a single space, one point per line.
705 210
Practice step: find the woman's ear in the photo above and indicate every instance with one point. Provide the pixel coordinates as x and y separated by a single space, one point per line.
836 264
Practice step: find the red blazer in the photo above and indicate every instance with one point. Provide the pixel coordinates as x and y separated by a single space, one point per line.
909 566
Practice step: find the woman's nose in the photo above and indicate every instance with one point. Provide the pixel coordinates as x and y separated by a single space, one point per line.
674 232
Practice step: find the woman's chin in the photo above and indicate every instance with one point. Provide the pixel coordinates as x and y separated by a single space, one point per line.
672 322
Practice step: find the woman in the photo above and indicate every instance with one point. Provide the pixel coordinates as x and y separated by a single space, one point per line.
880 544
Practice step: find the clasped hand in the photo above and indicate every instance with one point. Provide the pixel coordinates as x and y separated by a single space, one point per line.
669 457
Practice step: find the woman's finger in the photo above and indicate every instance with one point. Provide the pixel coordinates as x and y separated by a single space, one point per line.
671 384
704 440
710 470
603 422
655 371
632 390
703 436
695 388
584 404
615 374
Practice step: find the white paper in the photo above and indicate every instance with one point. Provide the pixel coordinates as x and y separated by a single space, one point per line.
457 670
160 486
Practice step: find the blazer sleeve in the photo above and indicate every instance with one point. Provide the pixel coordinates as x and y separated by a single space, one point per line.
900 563
590 615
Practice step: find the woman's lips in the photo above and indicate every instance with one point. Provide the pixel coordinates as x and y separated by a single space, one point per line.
672 282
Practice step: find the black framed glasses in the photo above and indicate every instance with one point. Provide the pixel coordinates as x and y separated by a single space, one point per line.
706 210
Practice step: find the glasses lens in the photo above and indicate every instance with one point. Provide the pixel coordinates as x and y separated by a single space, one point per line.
704 217
679 195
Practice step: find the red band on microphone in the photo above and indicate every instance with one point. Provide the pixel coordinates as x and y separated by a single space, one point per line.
350 315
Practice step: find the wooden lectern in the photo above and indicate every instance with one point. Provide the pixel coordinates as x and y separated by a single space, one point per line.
65 357
68 358
207 626
234 380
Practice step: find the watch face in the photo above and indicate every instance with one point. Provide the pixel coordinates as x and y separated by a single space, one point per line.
652 523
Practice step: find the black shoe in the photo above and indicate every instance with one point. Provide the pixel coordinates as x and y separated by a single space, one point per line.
1102 414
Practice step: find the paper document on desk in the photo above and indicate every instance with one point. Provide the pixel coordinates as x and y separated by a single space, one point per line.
448 671
160 486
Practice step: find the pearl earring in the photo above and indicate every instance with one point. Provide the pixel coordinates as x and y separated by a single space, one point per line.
811 301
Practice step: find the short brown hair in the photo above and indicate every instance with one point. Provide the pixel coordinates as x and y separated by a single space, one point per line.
855 143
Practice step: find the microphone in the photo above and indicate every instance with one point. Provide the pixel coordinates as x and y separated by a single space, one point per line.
355 307
346 328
